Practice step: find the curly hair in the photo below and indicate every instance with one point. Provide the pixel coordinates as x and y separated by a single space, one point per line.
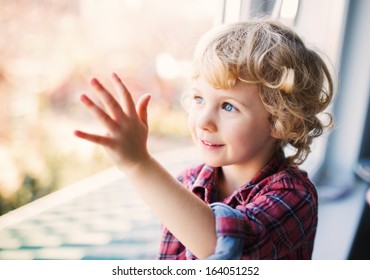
295 84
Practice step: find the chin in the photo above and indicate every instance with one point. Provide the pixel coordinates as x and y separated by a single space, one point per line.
212 162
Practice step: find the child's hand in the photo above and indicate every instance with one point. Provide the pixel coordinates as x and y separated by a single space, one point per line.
183 213
127 126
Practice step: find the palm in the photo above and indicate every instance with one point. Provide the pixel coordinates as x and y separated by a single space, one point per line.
126 124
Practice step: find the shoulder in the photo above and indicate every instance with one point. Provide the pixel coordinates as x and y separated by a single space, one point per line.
290 179
279 174
291 174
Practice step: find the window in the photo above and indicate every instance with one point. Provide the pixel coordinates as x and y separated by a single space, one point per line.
50 49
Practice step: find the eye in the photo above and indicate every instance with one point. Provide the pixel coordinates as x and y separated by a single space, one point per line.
198 100
228 107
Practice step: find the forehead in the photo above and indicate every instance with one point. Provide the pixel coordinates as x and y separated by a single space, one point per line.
240 91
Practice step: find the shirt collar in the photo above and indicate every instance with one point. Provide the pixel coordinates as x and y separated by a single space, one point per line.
205 184
276 164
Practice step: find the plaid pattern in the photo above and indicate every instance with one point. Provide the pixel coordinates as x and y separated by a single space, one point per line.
279 209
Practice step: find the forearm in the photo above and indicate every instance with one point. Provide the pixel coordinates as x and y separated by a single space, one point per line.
189 218
184 214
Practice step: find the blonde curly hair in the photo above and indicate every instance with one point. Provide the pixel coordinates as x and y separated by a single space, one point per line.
295 84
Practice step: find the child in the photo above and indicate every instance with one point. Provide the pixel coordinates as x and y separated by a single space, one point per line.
256 88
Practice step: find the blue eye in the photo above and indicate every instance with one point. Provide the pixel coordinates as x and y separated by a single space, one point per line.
198 100
228 107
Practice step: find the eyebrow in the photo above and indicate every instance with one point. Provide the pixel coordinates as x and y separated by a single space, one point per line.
223 96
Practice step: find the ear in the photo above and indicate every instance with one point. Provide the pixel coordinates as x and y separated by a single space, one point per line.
275 134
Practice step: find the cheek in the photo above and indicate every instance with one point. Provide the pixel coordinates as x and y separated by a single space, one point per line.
191 124
248 133
238 136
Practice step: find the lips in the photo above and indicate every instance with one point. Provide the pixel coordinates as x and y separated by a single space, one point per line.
209 145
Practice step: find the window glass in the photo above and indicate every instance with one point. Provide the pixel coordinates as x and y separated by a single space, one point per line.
50 49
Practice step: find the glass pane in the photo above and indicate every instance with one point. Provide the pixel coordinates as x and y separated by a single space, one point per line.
50 49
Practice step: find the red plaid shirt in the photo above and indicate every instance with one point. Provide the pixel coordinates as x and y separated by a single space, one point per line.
277 213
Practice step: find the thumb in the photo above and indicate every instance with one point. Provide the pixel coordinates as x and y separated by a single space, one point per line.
142 106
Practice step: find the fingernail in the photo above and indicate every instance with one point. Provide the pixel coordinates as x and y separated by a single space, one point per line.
94 81
84 99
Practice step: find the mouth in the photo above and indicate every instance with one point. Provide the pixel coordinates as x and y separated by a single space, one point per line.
209 145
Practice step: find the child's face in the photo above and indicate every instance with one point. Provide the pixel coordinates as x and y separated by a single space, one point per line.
230 126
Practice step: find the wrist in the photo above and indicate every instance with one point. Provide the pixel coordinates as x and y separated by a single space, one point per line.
138 167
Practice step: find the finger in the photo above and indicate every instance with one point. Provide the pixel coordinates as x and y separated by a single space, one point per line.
127 102
102 116
110 103
97 139
142 108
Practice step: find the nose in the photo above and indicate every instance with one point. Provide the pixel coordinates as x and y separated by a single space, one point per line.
206 120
